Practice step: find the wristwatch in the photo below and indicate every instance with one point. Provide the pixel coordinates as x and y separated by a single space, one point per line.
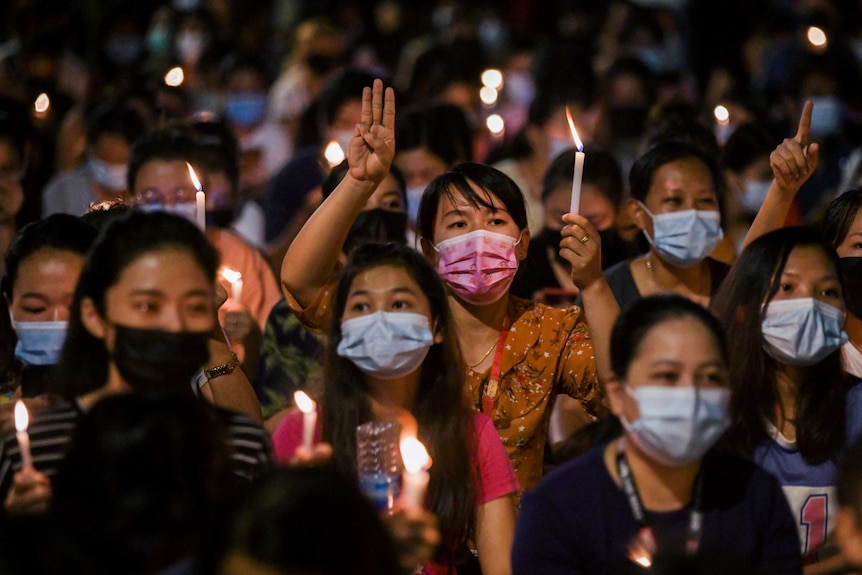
223 369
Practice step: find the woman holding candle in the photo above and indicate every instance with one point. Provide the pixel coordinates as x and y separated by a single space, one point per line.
517 355
674 201
392 348
140 321
660 496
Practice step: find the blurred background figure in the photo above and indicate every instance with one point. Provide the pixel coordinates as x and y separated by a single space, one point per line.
146 485
112 128
286 526
264 146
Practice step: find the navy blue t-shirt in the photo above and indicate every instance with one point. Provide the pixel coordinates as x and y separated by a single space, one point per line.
577 520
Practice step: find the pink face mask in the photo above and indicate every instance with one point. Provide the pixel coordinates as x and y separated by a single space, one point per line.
479 266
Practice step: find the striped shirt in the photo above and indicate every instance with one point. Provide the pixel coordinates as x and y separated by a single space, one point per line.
51 433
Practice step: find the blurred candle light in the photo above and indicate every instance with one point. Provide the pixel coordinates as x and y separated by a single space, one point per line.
334 154
414 481
496 125
175 77
22 422
492 78
722 114
816 37
200 199
235 280
488 95
578 174
43 102
309 417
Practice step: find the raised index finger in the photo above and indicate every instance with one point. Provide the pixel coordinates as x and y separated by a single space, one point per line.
804 124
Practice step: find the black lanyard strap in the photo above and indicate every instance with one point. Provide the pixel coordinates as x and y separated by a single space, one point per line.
645 531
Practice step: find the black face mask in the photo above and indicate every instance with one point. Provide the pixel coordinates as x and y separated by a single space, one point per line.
377 226
851 273
614 247
158 361
220 218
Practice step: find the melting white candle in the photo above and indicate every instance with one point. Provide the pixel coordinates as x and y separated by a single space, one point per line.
200 199
309 417
22 422
414 480
235 280
579 166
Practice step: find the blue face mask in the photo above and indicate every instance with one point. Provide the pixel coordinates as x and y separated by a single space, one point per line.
686 237
386 345
802 331
112 177
414 199
39 342
677 425
245 110
753 195
827 113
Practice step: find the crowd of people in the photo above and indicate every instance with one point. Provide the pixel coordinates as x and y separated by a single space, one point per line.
206 207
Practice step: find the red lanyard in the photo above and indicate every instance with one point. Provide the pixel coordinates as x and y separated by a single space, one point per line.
490 395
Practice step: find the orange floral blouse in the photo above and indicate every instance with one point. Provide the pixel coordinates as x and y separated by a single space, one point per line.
547 351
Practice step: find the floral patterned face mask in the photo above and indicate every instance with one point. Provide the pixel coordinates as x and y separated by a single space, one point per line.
479 266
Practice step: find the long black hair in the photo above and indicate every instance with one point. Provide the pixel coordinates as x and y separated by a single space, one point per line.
84 361
441 411
740 304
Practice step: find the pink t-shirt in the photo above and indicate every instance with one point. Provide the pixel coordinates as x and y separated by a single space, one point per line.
497 478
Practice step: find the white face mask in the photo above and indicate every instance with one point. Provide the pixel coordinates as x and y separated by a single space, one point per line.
677 425
753 194
686 237
110 176
187 210
802 331
386 345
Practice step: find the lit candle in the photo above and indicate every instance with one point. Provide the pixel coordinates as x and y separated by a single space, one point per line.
414 481
579 166
235 279
309 417
334 154
200 199
22 421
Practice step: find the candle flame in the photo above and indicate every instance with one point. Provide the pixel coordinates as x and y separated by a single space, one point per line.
303 402
578 143
333 153
415 456
195 181
42 103
22 418
230 275
175 77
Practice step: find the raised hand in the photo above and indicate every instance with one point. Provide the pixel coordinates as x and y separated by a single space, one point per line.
582 248
373 145
796 158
